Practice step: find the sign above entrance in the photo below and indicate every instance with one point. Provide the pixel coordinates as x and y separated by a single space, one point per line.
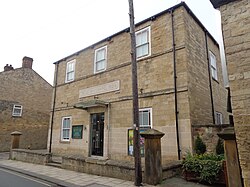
100 89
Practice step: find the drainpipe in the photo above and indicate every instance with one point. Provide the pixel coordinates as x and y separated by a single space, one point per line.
53 108
108 130
209 77
175 88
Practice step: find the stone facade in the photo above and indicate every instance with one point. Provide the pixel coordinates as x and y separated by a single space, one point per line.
24 87
235 17
155 84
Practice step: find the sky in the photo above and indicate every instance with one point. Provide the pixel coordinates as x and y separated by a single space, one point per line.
49 30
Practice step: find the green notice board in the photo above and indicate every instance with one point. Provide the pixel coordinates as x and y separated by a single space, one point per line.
77 131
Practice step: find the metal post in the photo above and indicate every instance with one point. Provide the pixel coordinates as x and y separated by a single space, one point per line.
136 145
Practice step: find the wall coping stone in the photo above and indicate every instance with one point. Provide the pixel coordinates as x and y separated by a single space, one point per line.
35 152
212 125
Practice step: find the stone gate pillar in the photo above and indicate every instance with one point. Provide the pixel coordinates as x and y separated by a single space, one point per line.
153 165
232 160
15 140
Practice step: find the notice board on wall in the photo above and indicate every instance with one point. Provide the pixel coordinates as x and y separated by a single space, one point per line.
77 131
131 142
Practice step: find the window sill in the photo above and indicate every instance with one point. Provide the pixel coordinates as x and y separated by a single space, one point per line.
64 141
69 81
216 80
101 71
143 57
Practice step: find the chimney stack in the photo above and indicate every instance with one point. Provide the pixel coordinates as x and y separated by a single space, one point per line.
27 62
8 67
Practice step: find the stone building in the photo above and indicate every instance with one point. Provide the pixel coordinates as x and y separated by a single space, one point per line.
92 111
235 16
25 103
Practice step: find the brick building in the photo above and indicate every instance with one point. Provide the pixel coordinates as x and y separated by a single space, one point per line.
92 111
235 16
25 103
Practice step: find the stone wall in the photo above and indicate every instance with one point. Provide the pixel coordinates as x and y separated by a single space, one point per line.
236 31
24 155
198 68
23 86
111 168
208 134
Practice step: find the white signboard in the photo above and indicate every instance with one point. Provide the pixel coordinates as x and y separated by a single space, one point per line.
100 89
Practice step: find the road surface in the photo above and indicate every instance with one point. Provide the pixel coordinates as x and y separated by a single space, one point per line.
13 179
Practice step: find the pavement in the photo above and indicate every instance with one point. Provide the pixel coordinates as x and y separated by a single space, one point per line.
67 178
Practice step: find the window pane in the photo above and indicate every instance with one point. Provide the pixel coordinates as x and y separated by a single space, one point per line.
144 49
212 59
138 42
100 55
139 52
65 134
70 76
140 118
70 67
66 123
145 118
142 43
70 73
214 73
144 37
100 59
17 110
100 65
218 118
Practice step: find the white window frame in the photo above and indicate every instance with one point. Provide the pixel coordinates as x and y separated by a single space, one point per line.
150 116
73 62
213 65
218 118
19 108
65 139
148 42
104 60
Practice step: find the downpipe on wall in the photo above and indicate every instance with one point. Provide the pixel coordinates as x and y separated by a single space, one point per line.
175 87
53 109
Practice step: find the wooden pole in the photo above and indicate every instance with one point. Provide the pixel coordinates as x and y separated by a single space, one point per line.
136 144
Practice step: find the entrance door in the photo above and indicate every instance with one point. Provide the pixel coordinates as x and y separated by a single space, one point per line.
97 132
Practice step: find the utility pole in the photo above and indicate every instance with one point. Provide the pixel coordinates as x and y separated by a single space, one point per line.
136 127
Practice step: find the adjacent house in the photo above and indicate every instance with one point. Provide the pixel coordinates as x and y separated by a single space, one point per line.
235 16
25 103
179 81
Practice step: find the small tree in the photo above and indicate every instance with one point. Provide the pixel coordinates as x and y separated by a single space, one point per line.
220 147
199 147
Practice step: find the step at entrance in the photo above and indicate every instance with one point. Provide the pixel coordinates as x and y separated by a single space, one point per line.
56 161
54 164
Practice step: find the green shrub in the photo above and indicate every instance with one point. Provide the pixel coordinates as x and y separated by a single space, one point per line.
210 170
199 147
220 147
206 166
